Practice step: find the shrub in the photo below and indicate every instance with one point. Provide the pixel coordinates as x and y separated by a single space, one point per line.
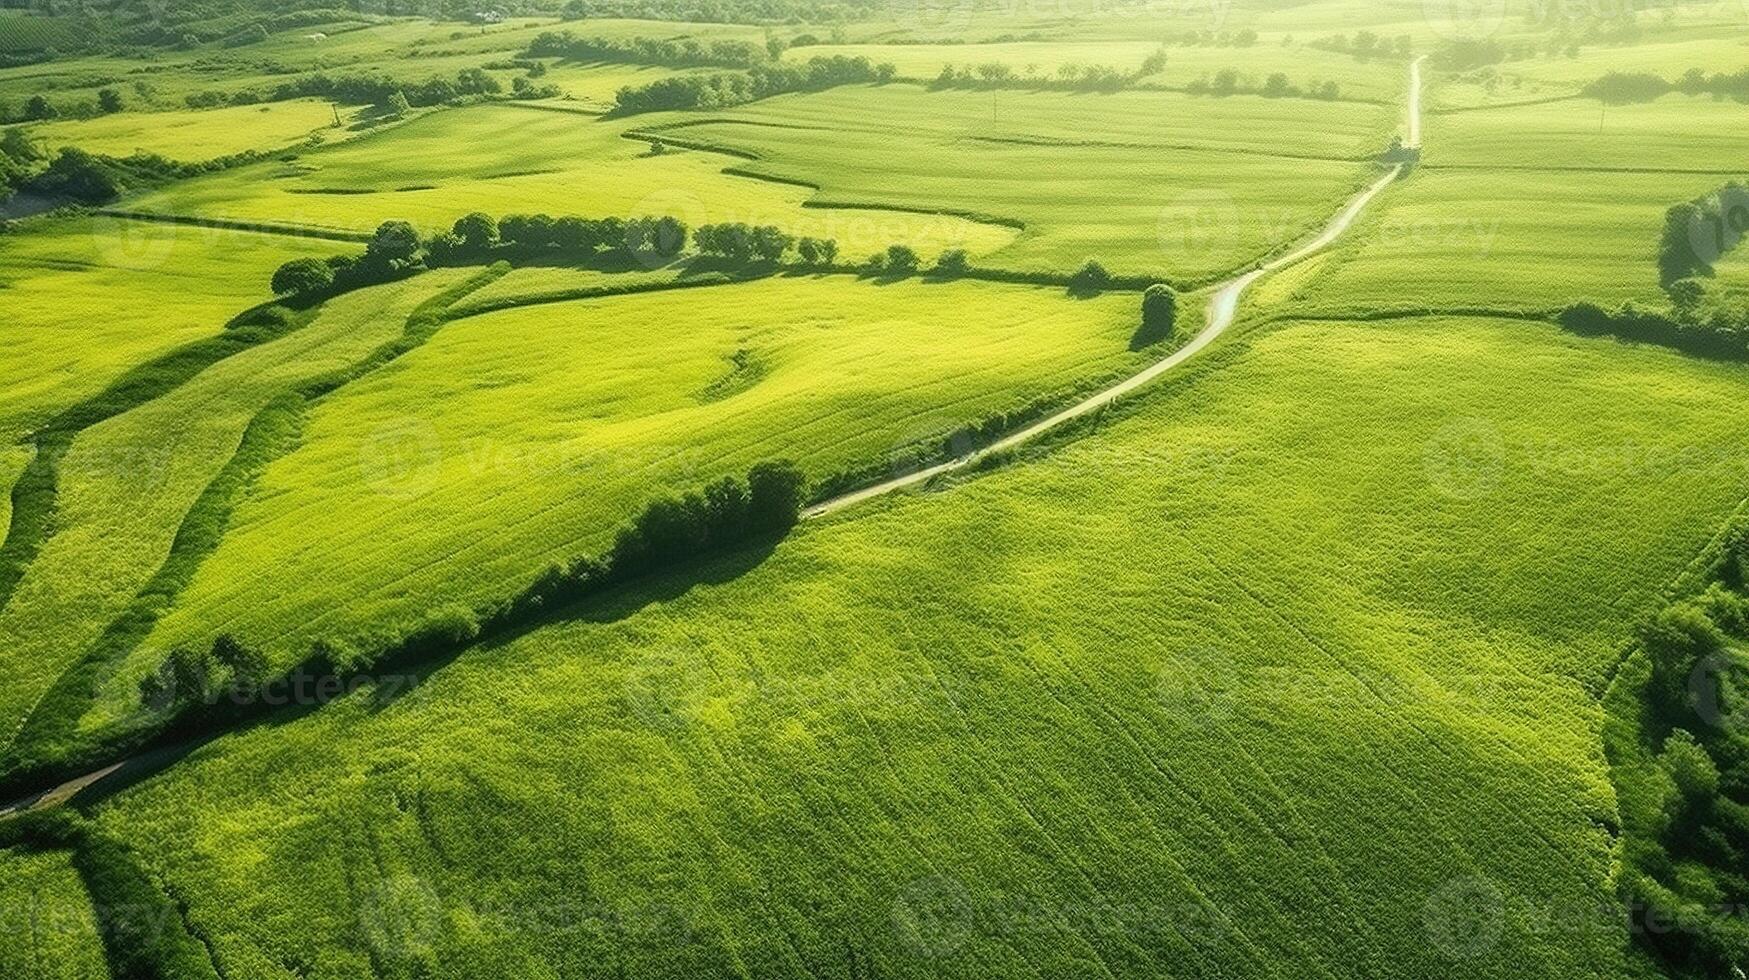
1090 278
1159 313
817 251
302 277
901 260
109 100
953 262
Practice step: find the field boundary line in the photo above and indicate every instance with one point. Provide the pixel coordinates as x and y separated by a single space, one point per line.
234 224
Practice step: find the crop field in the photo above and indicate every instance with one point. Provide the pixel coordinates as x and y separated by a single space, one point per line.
1274 707
196 135
569 415
1502 240
47 928
88 298
1177 186
506 159
126 484
874 489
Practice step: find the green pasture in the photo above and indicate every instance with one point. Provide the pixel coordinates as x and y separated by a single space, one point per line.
1503 240
1674 134
126 484
1176 187
518 438
48 930
196 135
87 298
508 159
1320 628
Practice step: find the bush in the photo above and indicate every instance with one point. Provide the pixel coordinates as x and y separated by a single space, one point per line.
302 277
953 262
817 251
1090 278
900 260
1159 313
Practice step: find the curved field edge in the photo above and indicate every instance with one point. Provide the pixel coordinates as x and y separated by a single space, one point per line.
33 492
50 740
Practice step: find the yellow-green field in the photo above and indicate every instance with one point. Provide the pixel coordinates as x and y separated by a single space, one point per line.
517 438
944 701
196 135
48 930
88 298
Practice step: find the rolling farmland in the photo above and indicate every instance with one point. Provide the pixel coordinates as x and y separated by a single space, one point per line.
873 490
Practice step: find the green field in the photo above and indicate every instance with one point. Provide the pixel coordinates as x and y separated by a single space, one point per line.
944 699
88 298
126 484
506 159
1180 531
570 416
196 135
1178 186
49 931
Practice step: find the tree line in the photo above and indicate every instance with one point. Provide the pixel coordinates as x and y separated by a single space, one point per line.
1620 88
1699 232
81 177
682 53
1684 858
358 89
723 89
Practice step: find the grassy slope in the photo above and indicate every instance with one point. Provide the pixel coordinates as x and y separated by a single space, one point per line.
517 438
504 159
126 483
194 135
47 929
13 460
1268 679
1676 132
88 298
1133 198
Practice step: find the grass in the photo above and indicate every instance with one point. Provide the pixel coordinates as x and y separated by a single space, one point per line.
47 928
88 298
1504 240
1322 630
196 135
1675 133
517 438
1174 187
507 159
126 483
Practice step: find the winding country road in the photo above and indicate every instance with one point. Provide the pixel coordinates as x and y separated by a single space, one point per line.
1223 308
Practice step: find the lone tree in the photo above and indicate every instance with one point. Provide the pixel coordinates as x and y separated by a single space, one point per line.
1159 311
301 277
901 260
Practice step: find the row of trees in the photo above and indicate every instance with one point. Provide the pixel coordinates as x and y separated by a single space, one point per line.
724 89
728 11
1620 88
80 177
993 75
682 53
1721 333
393 251
1228 81
1365 45
231 678
360 89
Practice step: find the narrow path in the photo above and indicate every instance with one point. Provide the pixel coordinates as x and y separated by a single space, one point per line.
1222 309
